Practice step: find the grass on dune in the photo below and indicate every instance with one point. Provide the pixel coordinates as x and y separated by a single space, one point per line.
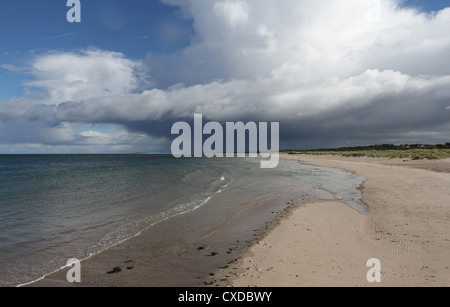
415 153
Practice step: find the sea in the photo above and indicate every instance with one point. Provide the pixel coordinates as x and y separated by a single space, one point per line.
59 207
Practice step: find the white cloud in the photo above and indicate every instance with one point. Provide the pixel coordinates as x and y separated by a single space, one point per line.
13 68
234 12
118 137
320 67
268 99
83 75
309 40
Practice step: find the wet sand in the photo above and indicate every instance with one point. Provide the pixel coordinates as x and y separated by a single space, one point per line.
151 261
326 243
319 243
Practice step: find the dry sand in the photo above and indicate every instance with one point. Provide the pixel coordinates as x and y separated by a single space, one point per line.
327 243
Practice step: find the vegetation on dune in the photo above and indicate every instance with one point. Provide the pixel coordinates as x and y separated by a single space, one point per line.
416 151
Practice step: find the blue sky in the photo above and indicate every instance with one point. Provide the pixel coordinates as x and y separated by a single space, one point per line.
134 28
428 6
176 57
110 24
29 28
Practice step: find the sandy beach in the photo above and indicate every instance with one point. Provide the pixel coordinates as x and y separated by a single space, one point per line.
327 243
315 243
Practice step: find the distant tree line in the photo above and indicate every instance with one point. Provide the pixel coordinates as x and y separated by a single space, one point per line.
384 147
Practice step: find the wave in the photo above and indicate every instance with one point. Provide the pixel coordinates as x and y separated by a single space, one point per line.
131 231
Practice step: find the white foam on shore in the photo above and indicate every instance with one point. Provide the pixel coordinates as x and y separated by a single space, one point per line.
161 217
293 175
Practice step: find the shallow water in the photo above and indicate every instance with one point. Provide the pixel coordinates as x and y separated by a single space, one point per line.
57 207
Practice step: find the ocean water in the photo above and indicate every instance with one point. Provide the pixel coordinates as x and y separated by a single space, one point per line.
57 207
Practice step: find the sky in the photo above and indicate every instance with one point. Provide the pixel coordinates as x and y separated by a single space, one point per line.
333 73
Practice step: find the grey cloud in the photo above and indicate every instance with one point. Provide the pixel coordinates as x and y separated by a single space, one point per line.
398 105
330 77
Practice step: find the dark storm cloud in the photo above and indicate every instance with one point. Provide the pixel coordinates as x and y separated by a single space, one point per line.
327 73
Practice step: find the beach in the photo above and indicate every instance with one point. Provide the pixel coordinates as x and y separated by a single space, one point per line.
327 243
309 234
159 222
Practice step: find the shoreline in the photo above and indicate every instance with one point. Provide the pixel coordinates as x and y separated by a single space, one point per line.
327 243
146 262
317 255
